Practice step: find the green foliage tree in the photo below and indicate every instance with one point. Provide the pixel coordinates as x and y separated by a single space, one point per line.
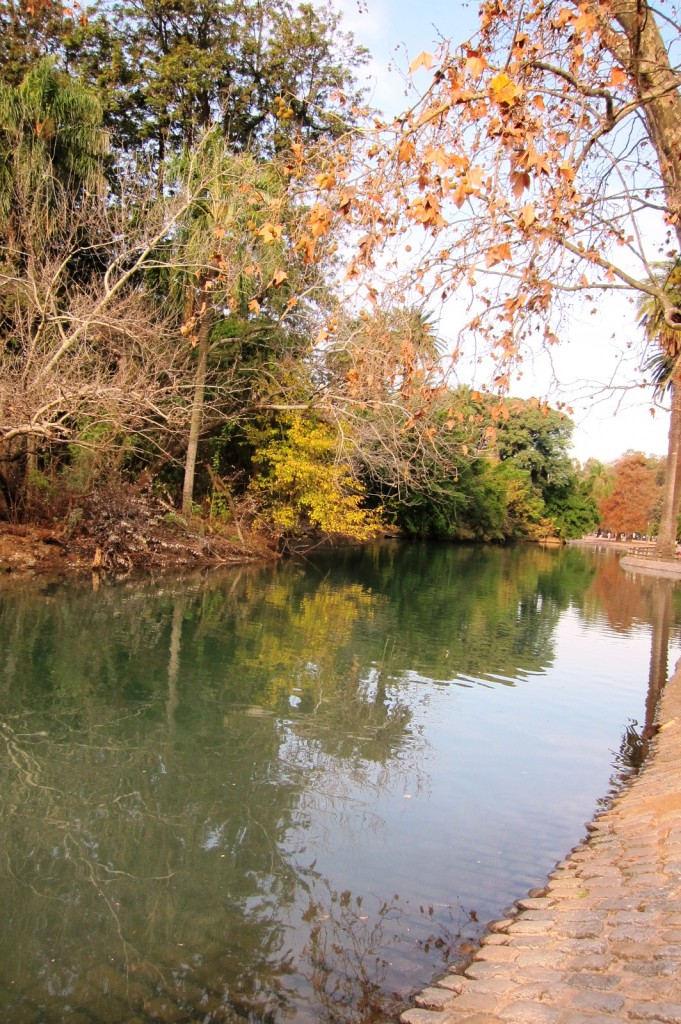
268 71
496 471
52 146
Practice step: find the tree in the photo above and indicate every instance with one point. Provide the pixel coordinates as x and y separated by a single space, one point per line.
634 502
52 151
532 165
228 256
667 377
28 33
304 486
52 146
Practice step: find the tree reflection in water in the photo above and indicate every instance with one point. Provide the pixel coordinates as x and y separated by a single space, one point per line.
181 762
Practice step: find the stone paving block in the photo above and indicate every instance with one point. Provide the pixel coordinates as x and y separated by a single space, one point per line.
669 1013
554 958
418 1016
580 930
481 969
597 982
591 963
435 998
599 1002
668 951
672 918
500 987
526 990
532 927
544 913
522 941
583 947
497 954
455 983
477 1018
639 987
602 871
650 968
484 1002
501 926
619 902
549 975
633 933
644 916
587 1018
533 903
566 885
633 950
581 914
530 1012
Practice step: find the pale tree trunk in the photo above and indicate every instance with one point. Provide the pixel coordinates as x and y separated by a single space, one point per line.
639 47
630 31
666 538
197 408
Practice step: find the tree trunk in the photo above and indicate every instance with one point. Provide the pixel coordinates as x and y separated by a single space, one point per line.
666 537
197 408
644 55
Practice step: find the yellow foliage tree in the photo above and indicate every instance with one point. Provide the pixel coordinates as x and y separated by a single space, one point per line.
304 484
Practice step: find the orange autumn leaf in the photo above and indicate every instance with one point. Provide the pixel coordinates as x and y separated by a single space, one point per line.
475 63
527 215
278 278
319 221
497 254
504 90
406 151
586 22
520 180
325 181
424 60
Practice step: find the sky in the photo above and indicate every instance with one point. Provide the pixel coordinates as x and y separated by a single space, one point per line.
593 354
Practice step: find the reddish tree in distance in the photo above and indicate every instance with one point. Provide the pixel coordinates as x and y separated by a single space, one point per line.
636 495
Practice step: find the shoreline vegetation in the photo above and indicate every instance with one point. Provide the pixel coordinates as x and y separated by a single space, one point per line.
132 535
200 363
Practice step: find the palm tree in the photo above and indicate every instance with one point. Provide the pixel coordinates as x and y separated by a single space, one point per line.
223 258
52 147
665 366
52 150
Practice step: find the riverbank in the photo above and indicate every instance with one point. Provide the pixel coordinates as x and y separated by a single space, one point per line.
602 942
124 534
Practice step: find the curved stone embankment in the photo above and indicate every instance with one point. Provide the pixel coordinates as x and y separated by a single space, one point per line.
602 943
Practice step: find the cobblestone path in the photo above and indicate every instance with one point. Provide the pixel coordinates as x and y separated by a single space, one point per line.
602 942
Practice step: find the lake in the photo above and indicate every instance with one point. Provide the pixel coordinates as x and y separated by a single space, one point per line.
296 793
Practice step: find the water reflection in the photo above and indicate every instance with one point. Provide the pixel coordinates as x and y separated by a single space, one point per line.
291 794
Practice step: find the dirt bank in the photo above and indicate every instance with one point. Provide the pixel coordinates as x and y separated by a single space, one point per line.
123 534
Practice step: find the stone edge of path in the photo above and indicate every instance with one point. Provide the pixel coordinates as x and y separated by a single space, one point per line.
506 978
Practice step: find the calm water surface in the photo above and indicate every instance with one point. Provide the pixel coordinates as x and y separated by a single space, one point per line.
294 793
